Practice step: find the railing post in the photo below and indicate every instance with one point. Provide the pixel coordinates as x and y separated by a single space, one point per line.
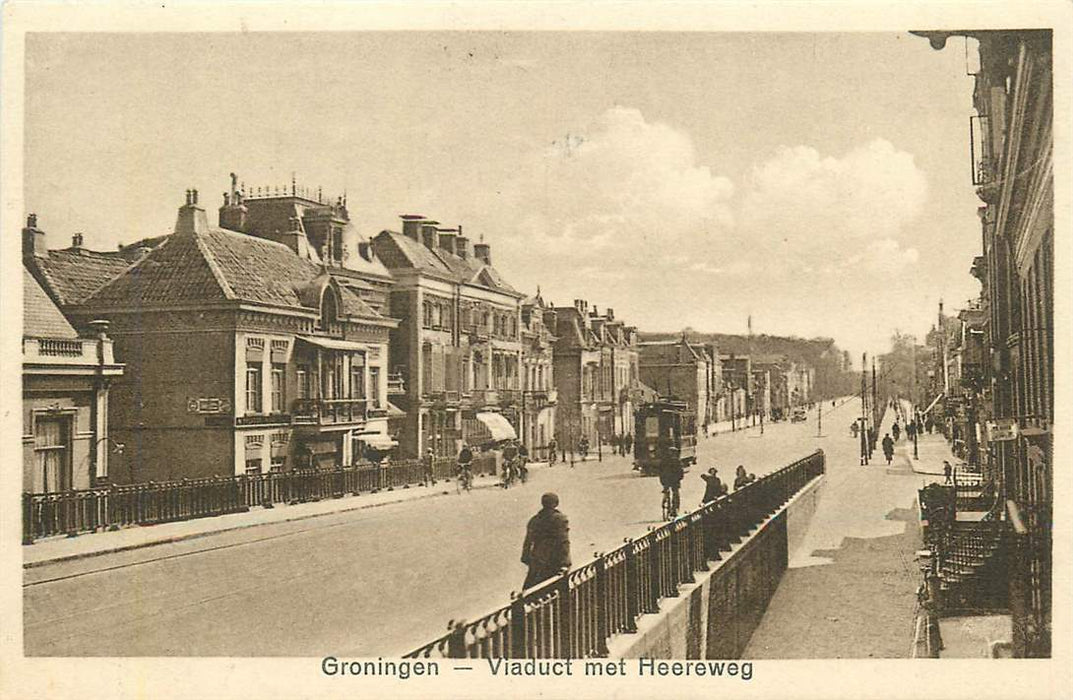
517 627
456 643
27 518
602 626
566 617
632 587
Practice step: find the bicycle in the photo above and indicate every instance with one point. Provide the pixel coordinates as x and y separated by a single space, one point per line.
670 503
508 474
464 480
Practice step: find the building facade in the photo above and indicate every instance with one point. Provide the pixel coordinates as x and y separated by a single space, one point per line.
290 356
458 347
1011 151
678 370
539 396
65 383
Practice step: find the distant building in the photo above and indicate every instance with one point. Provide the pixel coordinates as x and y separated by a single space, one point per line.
65 382
539 396
458 346
596 373
677 369
737 381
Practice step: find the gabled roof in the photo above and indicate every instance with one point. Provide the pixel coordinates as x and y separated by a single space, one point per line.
201 263
73 275
401 252
41 318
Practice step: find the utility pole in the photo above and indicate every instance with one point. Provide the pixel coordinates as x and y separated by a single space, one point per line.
819 419
864 414
875 407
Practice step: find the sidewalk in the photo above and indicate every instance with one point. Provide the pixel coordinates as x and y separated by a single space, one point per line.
56 549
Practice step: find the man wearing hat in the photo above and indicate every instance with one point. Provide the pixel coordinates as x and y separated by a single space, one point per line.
713 486
546 550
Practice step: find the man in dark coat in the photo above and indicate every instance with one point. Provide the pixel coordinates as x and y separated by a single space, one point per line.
713 486
888 447
546 550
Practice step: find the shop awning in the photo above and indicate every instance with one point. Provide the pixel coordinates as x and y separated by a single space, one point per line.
333 343
932 404
499 426
378 441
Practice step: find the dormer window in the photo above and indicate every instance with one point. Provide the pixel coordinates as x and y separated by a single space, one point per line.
329 308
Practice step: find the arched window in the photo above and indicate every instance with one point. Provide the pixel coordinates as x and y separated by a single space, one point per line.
329 307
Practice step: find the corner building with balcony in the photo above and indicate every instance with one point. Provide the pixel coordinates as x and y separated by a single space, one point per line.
458 347
245 354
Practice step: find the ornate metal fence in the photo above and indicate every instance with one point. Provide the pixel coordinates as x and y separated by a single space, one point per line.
89 510
574 615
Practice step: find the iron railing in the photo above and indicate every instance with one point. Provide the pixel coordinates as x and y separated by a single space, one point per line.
575 614
111 507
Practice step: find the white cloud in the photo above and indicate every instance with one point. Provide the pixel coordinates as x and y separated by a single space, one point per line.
623 213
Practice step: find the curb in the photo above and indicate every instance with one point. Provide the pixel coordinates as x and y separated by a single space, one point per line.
232 528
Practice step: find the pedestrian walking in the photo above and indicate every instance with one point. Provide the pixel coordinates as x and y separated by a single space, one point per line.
629 443
616 443
427 477
553 451
888 448
854 428
948 473
713 486
897 431
546 549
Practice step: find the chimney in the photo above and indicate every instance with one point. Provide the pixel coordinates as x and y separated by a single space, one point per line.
462 246
610 314
447 238
191 219
483 252
76 240
295 238
233 212
411 226
428 234
33 240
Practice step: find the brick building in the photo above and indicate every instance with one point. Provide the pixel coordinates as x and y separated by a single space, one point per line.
458 346
290 355
1012 167
676 368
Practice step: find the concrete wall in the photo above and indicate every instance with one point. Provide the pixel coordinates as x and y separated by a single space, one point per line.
715 617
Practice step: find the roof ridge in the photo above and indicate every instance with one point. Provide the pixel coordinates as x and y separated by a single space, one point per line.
129 269
214 266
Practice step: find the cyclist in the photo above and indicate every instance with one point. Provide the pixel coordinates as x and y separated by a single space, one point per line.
670 478
465 474
523 460
510 460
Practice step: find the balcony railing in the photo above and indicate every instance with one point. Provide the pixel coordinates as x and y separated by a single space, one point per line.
396 385
542 397
62 349
485 397
330 411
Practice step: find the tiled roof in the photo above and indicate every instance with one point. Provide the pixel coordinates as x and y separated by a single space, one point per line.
73 275
398 251
41 317
213 264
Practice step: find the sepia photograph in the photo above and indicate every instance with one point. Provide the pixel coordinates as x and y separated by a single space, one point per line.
533 356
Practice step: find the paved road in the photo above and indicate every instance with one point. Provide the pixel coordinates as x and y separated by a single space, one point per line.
850 591
365 583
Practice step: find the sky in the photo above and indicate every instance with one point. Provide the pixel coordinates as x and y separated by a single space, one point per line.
818 183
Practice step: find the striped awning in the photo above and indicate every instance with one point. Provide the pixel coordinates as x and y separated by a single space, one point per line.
499 426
